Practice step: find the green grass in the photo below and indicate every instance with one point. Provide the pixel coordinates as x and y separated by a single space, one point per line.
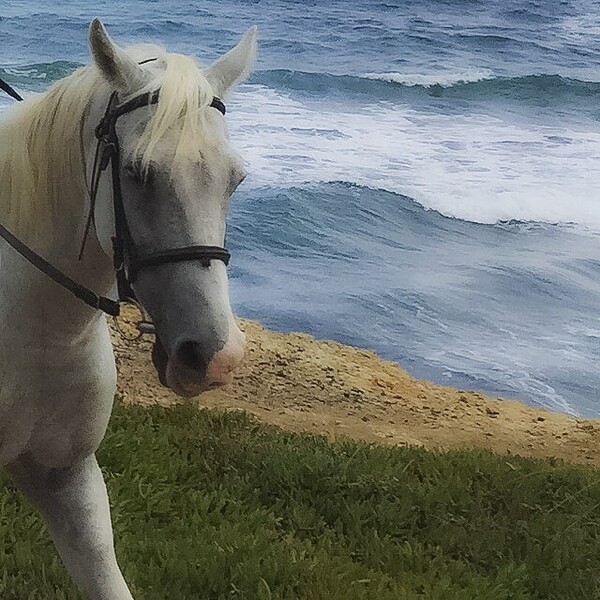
209 505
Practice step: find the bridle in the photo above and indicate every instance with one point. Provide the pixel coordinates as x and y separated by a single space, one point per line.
127 261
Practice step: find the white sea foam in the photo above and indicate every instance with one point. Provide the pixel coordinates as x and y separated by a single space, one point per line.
30 72
472 166
443 79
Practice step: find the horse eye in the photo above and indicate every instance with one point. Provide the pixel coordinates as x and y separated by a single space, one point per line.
136 172
236 180
133 170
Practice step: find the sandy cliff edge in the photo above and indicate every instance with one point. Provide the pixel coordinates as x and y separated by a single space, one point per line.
298 383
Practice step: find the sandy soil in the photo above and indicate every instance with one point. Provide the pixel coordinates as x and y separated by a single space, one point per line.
300 384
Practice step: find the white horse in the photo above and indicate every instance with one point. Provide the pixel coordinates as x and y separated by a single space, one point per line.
57 371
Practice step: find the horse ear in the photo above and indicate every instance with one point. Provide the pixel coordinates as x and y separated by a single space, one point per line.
114 63
234 66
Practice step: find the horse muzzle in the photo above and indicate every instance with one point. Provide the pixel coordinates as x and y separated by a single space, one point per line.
189 370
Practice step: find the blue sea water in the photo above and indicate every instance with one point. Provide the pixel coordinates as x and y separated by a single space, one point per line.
424 175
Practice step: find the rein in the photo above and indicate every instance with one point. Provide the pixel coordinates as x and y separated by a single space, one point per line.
127 262
10 91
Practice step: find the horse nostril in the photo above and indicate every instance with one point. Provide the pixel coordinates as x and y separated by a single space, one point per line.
189 355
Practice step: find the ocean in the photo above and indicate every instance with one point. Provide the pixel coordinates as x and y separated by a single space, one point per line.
424 176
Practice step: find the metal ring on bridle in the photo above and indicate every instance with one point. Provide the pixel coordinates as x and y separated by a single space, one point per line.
143 326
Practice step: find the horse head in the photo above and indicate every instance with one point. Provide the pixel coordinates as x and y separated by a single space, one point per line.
176 173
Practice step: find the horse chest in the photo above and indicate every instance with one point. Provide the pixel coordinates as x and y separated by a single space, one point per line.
55 399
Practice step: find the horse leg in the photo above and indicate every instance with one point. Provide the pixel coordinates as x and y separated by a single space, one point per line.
74 502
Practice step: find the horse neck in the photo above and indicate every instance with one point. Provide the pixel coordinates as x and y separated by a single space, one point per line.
55 235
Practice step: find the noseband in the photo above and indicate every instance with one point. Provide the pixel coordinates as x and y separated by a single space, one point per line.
127 261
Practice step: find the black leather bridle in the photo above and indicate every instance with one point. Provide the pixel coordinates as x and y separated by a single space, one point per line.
126 259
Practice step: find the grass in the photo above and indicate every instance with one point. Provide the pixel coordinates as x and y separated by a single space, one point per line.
213 506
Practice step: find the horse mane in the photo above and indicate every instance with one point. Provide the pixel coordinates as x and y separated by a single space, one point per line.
41 154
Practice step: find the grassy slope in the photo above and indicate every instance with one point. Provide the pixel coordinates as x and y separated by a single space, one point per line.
209 505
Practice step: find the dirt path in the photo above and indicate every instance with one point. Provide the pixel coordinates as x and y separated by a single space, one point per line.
300 384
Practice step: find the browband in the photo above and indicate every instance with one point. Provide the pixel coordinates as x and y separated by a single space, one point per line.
146 100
